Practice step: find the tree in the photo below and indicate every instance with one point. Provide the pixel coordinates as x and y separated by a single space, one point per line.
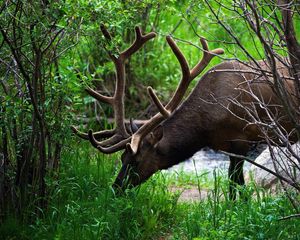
33 101
272 33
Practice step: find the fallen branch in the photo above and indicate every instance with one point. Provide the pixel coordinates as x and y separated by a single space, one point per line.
290 216
293 184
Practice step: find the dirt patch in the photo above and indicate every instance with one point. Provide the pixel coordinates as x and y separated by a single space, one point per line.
190 193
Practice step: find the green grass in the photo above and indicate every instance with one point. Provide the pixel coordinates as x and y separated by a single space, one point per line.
219 218
82 205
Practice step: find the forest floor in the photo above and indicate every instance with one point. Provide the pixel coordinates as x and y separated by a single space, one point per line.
190 193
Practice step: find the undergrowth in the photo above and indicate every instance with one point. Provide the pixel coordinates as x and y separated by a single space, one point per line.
82 205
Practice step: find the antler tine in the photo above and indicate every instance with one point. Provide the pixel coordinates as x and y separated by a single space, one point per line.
207 56
180 57
166 111
99 96
97 135
112 140
158 103
139 41
111 149
92 139
79 133
187 77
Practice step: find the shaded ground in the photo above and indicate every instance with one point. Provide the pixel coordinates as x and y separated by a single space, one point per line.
190 194
207 160
204 161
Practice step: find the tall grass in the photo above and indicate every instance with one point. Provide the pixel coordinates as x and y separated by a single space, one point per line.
217 217
83 206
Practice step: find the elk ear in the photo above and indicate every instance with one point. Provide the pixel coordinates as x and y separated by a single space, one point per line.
156 135
129 149
159 132
133 126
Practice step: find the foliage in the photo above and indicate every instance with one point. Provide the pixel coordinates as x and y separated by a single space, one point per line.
256 218
83 206
49 51
34 102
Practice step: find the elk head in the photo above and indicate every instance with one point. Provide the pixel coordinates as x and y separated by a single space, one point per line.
145 151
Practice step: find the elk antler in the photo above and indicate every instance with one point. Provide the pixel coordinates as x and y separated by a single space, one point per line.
118 137
187 76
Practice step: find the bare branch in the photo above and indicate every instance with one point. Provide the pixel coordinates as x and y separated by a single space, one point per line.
296 186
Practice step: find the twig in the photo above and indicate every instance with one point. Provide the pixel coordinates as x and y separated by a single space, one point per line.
293 184
250 72
297 215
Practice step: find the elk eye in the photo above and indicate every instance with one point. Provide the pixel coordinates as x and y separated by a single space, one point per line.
126 158
159 150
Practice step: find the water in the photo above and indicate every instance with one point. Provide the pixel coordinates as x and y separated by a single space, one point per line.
206 160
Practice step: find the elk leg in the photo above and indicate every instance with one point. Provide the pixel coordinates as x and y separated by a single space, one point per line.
236 176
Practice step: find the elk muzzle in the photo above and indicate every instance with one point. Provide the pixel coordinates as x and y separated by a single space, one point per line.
126 179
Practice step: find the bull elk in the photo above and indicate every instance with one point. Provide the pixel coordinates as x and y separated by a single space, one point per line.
211 116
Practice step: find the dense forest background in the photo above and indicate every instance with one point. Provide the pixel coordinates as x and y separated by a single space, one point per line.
52 185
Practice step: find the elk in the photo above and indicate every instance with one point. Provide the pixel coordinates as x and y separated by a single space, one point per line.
211 116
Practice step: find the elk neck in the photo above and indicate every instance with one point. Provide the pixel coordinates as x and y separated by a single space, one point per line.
182 136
